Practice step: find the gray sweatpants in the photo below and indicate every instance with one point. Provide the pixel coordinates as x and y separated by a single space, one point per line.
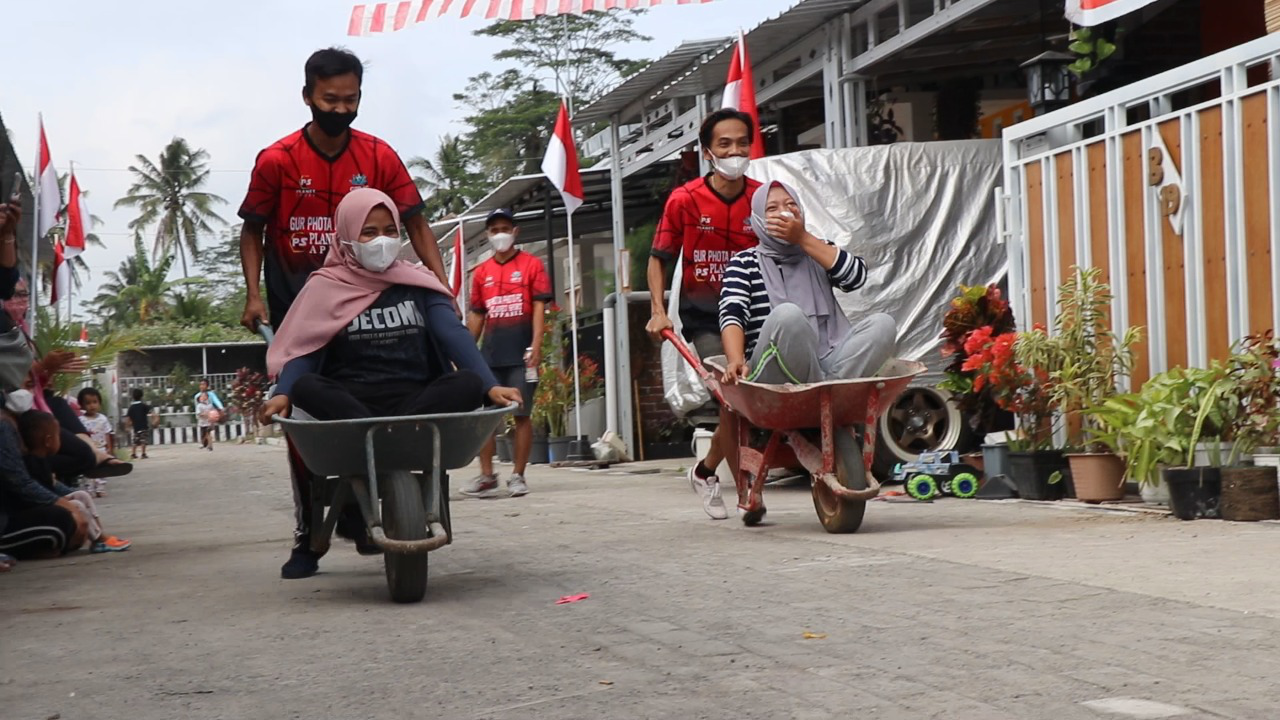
787 349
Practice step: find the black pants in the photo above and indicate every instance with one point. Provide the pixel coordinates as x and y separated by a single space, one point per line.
37 531
326 399
73 459
67 417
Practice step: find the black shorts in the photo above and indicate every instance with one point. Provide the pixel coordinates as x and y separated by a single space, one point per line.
513 377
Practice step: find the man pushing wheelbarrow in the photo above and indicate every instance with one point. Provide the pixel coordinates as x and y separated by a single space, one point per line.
795 369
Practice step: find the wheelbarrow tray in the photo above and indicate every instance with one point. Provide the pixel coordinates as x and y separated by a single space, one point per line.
797 407
337 447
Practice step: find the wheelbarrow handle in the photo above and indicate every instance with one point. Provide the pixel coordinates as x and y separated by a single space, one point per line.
711 381
266 332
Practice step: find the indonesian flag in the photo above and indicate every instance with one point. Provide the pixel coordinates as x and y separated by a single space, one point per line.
77 219
560 164
1095 12
740 93
61 275
48 196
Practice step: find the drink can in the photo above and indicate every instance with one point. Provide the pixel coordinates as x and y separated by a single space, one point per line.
530 372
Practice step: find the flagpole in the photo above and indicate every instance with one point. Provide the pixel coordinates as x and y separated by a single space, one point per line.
32 283
461 252
573 327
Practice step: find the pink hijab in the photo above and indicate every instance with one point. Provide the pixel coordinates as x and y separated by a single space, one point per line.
340 290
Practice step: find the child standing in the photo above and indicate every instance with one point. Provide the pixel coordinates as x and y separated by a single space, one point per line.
42 437
205 417
140 419
99 428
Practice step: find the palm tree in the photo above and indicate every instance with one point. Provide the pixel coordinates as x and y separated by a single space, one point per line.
449 184
168 195
139 291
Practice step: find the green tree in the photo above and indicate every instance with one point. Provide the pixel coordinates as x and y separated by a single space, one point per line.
168 195
138 292
447 181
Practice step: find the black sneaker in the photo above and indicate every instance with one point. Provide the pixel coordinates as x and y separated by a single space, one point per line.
350 526
302 564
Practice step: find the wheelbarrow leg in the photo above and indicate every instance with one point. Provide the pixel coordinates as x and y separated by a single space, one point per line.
322 523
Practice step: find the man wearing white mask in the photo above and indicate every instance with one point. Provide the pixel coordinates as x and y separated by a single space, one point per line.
705 223
509 293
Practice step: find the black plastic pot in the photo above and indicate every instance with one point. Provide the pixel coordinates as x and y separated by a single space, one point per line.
1193 492
1032 471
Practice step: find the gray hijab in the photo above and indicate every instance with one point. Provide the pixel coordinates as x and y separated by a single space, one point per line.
790 275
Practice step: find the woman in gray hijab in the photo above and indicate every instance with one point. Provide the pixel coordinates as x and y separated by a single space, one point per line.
777 306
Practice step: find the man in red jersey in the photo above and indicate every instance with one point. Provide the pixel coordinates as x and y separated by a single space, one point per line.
705 222
296 186
509 293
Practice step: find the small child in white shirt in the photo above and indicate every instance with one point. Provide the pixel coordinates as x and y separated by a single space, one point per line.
205 419
99 428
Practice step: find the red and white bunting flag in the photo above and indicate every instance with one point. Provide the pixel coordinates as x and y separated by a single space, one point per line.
560 164
382 17
61 275
1095 12
456 269
740 92
77 220
49 197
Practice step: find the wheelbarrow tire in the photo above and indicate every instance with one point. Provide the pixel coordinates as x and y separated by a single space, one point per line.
838 515
405 518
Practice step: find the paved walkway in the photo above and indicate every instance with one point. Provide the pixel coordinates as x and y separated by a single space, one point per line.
955 609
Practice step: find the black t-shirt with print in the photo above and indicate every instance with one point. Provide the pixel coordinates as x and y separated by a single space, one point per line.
387 342
138 415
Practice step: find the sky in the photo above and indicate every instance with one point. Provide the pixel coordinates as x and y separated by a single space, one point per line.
118 79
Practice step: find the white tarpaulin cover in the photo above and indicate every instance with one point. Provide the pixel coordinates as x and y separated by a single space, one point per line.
921 214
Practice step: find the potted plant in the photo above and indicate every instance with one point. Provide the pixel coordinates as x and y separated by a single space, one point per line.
1025 392
976 308
1085 362
1250 492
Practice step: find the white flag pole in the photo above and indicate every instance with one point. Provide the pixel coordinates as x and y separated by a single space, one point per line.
461 252
32 283
573 327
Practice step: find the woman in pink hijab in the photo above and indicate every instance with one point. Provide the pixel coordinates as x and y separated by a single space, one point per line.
371 335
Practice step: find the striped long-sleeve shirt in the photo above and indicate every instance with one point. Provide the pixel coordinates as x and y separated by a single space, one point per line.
745 303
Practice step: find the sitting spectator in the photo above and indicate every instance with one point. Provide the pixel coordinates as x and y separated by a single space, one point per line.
101 435
35 522
42 435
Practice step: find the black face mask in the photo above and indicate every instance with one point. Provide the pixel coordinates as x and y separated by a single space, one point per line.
332 123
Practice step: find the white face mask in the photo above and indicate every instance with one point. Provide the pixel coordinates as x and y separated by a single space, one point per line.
730 168
377 254
19 401
502 242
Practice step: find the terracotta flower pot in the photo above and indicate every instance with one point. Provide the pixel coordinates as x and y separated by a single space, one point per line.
1098 477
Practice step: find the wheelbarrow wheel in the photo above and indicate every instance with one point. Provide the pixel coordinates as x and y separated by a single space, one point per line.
751 518
405 518
836 514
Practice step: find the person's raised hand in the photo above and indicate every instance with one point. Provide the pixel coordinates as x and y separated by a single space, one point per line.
790 229
278 405
735 371
255 314
505 396
10 216
657 323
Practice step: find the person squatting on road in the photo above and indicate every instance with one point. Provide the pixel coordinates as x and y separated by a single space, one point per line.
371 335
704 222
509 293
288 212
778 309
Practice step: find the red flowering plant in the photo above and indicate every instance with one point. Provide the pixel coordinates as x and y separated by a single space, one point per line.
1025 392
978 309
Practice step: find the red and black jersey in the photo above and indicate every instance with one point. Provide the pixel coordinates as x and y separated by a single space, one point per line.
294 191
504 292
706 229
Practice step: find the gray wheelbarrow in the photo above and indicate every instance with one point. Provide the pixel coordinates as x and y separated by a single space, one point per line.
402 461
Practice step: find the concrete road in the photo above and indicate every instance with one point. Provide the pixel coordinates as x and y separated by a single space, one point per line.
955 609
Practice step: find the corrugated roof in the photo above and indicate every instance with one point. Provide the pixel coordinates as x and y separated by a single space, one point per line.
766 40
659 72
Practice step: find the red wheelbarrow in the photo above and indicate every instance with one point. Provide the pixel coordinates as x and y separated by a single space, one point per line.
812 425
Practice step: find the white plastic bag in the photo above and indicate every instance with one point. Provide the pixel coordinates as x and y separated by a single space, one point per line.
681 386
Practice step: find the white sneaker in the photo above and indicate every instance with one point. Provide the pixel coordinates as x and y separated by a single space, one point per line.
483 486
516 486
709 490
